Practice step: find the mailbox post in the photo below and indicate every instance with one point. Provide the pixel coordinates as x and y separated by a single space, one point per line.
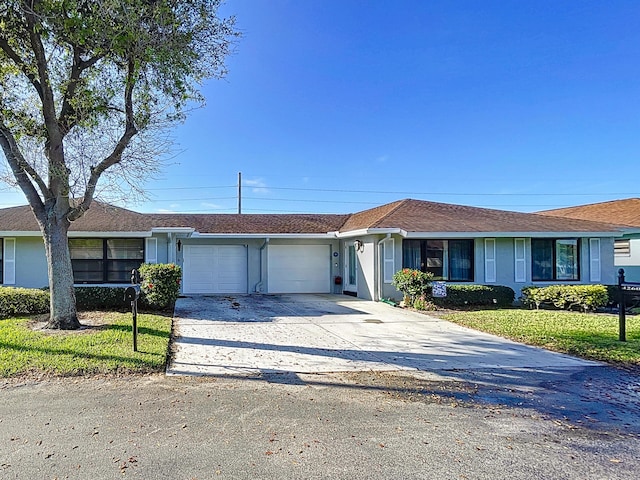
131 294
622 307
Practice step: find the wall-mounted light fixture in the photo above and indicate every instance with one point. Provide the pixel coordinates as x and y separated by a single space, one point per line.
179 245
358 245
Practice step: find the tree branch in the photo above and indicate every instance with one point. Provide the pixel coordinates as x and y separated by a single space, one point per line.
65 119
22 171
116 155
20 63
48 106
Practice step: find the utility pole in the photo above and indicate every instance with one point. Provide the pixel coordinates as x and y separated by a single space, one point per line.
239 192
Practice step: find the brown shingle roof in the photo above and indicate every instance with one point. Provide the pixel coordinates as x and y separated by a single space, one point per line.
252 223
621 212
107 218
101 217
409 215
422 216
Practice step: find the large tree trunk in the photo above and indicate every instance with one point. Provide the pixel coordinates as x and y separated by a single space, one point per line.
63 299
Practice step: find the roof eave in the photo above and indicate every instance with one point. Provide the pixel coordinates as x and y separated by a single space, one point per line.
177 230
100 234
368 231
329 235
546 234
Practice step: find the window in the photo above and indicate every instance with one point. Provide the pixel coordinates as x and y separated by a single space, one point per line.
351 266
622 247
1 261
554 259
447 259
97 260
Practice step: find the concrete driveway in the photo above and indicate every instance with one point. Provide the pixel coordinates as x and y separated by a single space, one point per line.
262 334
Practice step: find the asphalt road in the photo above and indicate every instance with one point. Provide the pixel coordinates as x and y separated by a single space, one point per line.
486 425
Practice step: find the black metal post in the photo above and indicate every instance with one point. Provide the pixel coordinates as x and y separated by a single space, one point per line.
622 320
134 311
135 279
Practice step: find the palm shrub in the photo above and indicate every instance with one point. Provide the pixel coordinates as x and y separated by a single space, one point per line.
413 284
160 284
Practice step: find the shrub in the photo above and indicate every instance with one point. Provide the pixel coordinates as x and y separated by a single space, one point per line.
412 283
476 295
99 298
160 284
22 301
567 297
423 303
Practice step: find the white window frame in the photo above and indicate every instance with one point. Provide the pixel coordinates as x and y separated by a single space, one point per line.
389 259
595 274
520 259
490 260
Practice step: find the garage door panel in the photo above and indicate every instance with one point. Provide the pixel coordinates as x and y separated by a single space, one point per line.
215 269
299 268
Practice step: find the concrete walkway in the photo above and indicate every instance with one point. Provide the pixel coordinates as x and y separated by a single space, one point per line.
262 334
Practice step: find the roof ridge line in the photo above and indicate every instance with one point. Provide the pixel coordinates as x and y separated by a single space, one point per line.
400 204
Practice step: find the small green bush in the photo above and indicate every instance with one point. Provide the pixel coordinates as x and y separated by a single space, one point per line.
423 303
160 284
22 301
567 297
412 283
476 295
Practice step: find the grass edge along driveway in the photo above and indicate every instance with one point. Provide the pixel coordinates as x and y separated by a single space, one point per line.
590 336
104 346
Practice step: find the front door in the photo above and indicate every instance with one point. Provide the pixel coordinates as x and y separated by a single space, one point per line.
350 269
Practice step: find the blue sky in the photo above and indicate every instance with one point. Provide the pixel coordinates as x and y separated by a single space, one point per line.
339 105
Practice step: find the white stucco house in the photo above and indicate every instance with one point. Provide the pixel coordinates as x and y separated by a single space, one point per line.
355 253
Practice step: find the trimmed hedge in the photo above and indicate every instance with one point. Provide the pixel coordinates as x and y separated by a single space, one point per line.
22 301
103 298
566 297
476 295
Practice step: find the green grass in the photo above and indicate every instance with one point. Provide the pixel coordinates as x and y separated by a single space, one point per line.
592 336
104 349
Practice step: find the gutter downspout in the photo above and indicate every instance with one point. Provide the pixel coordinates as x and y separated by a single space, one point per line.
380 268
258 287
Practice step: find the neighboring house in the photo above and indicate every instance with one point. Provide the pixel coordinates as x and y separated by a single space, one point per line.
308 253
620 212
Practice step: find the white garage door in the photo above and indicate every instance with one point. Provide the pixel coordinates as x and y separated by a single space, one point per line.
299 268
215 269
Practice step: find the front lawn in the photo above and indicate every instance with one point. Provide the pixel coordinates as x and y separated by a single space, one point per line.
105 345
592 336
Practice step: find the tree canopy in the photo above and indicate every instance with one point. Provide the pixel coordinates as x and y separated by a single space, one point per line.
88 89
